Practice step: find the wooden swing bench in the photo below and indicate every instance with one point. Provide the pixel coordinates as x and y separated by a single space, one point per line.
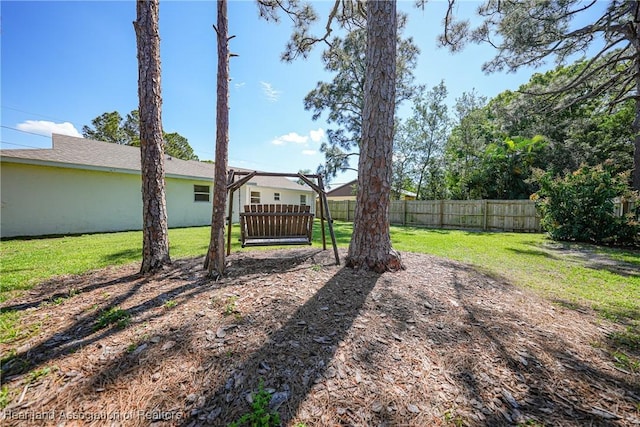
275 225
270 225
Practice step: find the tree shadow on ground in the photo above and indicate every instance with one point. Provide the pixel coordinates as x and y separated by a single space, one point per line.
293 357
512 372
620 268
143 358
82 331
49 290
595 258
530 356
534 252
125 255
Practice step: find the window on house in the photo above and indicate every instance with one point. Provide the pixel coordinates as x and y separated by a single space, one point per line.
303 199
201 193
276 197
255 197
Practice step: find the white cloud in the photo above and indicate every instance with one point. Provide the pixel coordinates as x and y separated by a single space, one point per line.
290 137
44 127
309 152
294 137
239 85
272 94
317 135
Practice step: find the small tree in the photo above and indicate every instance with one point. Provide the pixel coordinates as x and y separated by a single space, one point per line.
466 142
428 128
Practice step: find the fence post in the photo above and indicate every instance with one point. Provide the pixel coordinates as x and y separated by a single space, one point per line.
404 212
485 205
441 216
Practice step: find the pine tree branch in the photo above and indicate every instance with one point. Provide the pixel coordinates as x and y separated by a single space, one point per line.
587 72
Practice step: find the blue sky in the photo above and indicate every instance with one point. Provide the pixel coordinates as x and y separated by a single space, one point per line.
64 63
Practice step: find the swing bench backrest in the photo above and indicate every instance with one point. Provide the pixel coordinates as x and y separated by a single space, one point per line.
269 225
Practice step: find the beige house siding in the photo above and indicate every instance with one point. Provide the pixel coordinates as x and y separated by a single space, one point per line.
32 203
182 209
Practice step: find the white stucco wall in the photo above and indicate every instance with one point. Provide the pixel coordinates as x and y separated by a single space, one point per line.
41 200
182 209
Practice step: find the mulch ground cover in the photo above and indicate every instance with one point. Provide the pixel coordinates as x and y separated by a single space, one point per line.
436 344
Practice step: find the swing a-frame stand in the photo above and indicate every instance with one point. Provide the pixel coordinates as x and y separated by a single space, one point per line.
276 225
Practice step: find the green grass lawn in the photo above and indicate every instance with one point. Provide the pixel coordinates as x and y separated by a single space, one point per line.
603 278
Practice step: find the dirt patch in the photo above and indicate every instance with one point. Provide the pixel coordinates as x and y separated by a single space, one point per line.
436 344
592 259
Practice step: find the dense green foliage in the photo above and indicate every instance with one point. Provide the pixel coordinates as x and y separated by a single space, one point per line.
532 33
494 147
588 132
110 127
580 207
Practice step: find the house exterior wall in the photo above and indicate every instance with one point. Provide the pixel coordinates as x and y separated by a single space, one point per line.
341 197
41 200
287 197
182 209
344 192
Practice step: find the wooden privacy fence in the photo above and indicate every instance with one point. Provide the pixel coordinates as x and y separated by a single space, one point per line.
487 215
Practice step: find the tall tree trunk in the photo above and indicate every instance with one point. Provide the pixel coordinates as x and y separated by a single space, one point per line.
370 246
215 260
634 36
635 174
422 172
636 150
155 240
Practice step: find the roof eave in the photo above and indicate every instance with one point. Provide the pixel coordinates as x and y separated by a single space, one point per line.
52 163
194 177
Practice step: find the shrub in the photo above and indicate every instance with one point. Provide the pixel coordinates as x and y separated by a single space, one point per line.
114 315
260 415
580 207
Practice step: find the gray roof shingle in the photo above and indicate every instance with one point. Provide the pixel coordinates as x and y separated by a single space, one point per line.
85 153
344 190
